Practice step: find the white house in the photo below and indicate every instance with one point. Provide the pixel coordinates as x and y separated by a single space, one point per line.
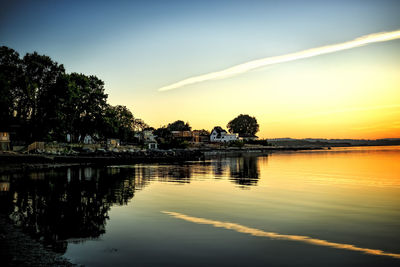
220 135
145 136
148 139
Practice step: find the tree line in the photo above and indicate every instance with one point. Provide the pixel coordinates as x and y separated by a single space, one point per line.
46 103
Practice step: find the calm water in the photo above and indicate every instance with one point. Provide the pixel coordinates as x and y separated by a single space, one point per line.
318 208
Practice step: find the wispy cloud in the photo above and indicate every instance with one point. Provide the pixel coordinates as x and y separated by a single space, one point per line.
251 65
257 232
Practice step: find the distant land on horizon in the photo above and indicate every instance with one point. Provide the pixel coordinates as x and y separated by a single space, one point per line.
335 142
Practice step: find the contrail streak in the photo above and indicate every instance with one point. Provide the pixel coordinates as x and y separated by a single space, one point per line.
301 238
241 68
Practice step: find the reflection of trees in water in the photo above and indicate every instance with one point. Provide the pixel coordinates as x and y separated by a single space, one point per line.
219 167
179 173
175 173
70 203
73 203
244 170
5 196
164 173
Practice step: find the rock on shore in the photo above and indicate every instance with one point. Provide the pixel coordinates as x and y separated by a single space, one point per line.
19 249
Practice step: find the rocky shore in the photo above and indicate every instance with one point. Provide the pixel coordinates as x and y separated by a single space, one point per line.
11 161
19 249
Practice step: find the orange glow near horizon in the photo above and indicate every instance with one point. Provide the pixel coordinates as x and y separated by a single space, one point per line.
352 94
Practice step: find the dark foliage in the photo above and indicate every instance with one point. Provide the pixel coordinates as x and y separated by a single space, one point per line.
179 126
244 125
47 104
165 137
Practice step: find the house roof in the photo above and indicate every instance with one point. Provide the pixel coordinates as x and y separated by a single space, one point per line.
219 129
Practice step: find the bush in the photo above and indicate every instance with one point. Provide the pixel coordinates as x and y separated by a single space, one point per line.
168 144
236 143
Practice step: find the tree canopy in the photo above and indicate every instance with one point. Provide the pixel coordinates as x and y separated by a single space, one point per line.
244 125
179 126
47 103
165 137
10 83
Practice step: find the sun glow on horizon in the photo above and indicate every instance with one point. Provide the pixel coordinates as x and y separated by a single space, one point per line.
347 95
342 95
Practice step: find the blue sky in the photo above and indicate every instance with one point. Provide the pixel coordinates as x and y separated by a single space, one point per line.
137 47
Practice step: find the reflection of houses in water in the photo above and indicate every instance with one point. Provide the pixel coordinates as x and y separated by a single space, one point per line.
244 170
36 175
4 183
4 186
4 141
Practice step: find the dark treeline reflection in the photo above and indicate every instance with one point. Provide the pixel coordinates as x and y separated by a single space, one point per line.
178 173
244 170
68 204
72 204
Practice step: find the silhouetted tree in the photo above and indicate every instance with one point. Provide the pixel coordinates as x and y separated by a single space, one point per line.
166 140
179 126
41 74
203 132
140 125
244 125
10 83
118 122
163 134
76 105
48 104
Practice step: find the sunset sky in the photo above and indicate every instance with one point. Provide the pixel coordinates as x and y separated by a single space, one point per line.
138 47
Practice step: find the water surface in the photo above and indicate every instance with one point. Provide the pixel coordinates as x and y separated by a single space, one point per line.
316 208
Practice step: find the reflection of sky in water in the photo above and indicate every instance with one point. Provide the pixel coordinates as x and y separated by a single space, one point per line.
257 232
325 199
